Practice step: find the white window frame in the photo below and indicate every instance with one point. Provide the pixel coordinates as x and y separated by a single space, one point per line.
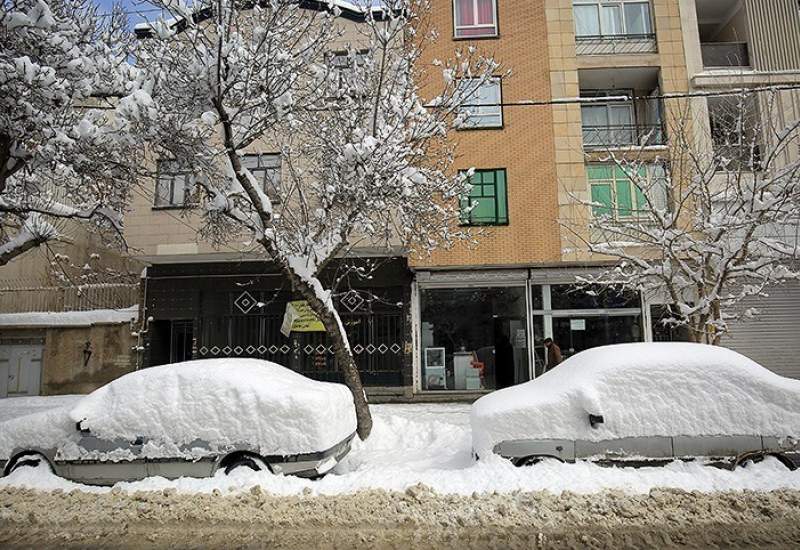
476 116
169 176
621 4
610 106
491 30
266 170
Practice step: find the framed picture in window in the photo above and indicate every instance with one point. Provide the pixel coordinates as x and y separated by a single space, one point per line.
434 358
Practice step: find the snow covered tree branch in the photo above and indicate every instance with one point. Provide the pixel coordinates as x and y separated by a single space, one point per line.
365 161
69 101
708 225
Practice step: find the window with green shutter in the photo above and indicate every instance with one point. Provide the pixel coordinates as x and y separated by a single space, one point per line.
614 194
487 202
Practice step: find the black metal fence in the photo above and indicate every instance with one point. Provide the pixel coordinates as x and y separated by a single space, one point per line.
642 135
615 44
725 54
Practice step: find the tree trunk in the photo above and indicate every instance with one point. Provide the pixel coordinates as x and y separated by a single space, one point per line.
342 351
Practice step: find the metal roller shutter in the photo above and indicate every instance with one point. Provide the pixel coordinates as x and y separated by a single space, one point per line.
773 337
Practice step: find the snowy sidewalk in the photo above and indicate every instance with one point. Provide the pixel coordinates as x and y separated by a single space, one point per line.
431 444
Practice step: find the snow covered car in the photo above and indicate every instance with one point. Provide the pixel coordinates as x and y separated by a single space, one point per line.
188 419
640 404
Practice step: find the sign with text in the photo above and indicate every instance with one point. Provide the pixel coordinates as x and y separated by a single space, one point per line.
299 317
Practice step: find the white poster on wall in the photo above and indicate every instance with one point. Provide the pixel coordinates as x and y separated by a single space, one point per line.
577 324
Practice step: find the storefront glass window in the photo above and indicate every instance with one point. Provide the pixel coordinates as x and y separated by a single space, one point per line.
573 297
579 318
473 339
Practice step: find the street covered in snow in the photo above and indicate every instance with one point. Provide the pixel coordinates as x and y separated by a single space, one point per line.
413 482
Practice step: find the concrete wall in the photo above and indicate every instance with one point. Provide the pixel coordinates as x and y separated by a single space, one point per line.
63 368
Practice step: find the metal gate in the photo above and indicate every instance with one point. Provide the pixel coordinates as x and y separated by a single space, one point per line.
20 369
375 327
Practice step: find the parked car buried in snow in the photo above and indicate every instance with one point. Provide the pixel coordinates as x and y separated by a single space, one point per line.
188 419
641 404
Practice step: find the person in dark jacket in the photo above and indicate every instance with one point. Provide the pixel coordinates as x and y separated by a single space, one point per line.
553 353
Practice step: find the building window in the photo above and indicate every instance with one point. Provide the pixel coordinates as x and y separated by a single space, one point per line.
601 18
615 195
266 169
487 202
482 105
475 18
345 65
473 338
174 185
580 317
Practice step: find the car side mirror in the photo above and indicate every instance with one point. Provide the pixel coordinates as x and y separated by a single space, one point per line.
595 419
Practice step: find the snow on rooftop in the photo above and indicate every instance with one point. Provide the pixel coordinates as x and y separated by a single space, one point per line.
353 7
69 318
643 389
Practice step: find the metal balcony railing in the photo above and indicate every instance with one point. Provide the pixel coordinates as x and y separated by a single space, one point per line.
613 44
626 135
19 298
725 54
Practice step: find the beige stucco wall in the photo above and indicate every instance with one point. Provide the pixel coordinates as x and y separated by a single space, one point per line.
171 234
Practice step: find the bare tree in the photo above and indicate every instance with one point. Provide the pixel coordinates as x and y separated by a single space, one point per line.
365 162
66 149
713 223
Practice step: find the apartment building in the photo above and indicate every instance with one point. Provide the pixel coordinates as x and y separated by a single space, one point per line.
203 302
492 306
752 45
474 318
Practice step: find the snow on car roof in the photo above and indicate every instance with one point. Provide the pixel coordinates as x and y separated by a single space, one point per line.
642 389
222 401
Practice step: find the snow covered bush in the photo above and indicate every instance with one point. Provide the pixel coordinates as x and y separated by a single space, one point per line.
67 149
366 161
707 223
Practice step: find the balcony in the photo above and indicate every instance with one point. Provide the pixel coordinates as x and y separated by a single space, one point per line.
623 135
621 108
615 44
717 55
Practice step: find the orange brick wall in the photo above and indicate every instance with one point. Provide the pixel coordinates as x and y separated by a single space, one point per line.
524 146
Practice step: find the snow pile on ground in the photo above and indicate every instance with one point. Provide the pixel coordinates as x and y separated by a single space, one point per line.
69 318
221 401
430 444
640 390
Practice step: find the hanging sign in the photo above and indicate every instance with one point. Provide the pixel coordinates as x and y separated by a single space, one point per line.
299 317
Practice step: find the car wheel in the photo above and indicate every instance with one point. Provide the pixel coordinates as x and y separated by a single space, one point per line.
528 460
246 461
756 457
30 460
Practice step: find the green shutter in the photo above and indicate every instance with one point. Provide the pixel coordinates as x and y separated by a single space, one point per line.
502 197
598 172
488 199
601 195
624 204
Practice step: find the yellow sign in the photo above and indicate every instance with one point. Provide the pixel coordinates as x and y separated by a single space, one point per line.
299 317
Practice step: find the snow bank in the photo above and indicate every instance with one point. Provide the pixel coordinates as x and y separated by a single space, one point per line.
640 390
221 401
69 318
